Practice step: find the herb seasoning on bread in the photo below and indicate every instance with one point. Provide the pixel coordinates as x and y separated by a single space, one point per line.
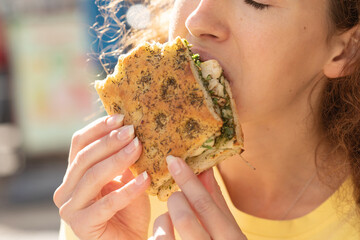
178 105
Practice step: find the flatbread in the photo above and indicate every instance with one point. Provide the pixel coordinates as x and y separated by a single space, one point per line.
156 88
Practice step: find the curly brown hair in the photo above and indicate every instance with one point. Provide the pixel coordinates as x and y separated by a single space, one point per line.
339 114
123 38
340 105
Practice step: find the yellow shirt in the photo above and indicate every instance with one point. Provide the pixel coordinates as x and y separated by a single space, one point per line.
332 220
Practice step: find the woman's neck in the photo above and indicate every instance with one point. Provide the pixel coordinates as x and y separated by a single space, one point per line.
283 151
281 148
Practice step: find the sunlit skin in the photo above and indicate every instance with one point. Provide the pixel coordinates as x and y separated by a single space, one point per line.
274 58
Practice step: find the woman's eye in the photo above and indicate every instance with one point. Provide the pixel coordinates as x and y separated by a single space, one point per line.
256 4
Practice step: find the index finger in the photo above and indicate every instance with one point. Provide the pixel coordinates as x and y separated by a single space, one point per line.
210 215
93 132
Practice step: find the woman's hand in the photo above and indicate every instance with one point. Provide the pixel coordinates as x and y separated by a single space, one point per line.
99 197
199 211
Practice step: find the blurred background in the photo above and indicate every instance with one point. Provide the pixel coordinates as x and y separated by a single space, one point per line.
48 60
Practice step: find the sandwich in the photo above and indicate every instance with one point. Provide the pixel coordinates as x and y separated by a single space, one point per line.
178 105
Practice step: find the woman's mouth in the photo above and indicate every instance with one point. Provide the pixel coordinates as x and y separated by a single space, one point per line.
205 56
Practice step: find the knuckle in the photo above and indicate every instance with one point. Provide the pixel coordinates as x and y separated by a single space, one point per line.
203 204
56 196
90 177
64 212
76 138
80 158
109 203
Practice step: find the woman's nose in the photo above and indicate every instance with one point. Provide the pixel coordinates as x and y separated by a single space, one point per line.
207 21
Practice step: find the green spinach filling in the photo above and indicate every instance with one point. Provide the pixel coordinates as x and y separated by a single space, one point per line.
222 106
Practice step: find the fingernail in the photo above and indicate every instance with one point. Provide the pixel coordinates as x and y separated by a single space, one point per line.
141 178
173 165
159 233
126 132
115 120
132 146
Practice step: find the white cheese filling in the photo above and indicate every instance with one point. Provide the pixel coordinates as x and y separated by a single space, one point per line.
212 71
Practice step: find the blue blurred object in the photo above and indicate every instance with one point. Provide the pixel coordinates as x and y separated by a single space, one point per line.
104 44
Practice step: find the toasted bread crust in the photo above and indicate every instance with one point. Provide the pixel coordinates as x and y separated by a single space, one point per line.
155 88
238 130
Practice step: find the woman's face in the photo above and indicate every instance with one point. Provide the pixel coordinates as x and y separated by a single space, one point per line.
272 56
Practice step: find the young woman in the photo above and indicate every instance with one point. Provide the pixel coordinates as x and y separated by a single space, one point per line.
294 69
